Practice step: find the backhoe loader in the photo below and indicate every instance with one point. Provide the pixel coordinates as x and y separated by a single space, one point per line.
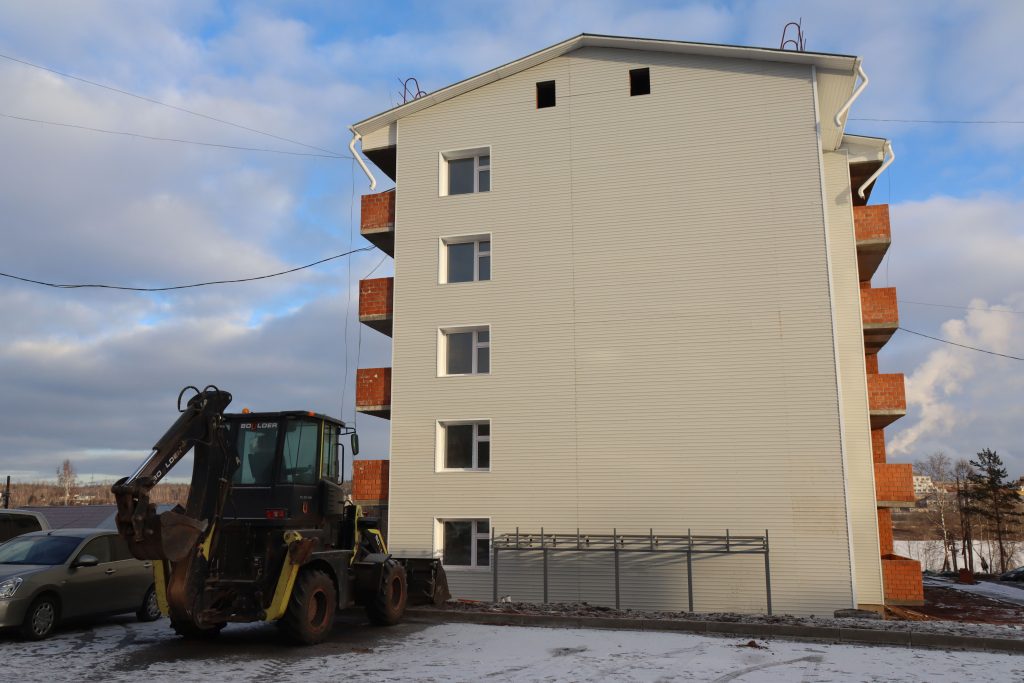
266 533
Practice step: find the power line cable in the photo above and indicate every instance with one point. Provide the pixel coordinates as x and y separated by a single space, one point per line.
965 308
170 106
963 346
190 286
179 140
937 121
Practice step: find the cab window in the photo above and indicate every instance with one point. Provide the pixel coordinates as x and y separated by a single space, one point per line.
330 451
257 444
299 458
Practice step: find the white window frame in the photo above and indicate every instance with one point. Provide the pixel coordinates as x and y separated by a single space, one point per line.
475 536
471 153
442 445
442 259
442 349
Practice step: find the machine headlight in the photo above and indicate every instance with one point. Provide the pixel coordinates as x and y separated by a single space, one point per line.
8 587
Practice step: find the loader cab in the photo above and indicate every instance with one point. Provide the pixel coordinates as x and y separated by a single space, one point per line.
286 461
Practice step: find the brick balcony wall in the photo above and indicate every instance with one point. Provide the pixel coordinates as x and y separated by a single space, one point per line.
376 297
373 387
885 530
377 211
871 222
370 480
887 392
894 482
878 306
901 578
878 445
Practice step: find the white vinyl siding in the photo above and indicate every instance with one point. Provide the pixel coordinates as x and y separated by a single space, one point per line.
667 356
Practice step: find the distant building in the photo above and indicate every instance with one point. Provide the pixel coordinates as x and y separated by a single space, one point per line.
923 485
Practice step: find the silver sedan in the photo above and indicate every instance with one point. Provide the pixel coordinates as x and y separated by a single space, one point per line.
50 576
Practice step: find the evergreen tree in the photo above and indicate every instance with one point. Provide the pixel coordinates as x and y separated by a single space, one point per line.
994 498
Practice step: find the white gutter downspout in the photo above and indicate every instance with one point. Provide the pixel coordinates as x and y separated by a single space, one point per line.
886 147
856 93
352 148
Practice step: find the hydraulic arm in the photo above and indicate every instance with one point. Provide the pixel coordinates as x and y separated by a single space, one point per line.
174 534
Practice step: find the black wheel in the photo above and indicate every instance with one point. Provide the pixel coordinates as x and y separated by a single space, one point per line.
310 614
41 618
190 631
149 610
388 605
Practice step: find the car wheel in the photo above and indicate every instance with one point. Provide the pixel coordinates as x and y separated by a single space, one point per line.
388 605
150 608
310 613
41 618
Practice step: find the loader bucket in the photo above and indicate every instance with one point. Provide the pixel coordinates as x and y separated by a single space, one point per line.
426 580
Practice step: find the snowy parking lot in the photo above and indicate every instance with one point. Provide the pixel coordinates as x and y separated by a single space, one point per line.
123 650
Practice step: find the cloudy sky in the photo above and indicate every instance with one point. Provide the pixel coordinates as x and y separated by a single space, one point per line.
91 375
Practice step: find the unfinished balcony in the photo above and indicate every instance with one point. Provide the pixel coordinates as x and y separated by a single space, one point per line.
894 485
373 391
887 399
376 303
880 315
377 220
871 226
901 580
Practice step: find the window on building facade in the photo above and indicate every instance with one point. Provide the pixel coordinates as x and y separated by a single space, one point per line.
639 82
465 445
545 94
466 351
466 171
466 259
466 542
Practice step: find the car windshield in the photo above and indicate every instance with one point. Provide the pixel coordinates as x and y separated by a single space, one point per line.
38 550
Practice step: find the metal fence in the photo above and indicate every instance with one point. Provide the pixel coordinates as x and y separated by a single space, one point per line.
616 543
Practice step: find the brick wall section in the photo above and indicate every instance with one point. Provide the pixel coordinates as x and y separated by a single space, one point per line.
377 211
370 481
878 445
901 578
886 392
894 481
871 222
871 361
885 530
878 306
376 297
373 387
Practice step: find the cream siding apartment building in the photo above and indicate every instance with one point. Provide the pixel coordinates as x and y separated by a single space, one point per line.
632 294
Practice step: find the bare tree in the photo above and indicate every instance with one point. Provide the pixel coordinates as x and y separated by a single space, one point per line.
961 472
66 480
941 514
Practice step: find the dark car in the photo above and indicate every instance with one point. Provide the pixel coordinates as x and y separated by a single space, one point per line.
1013 575
17 522
50 576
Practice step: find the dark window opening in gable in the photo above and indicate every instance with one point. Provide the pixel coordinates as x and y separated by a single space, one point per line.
545 94
639 82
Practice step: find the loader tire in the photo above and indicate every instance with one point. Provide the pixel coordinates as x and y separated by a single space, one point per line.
388 606
190 631
310 614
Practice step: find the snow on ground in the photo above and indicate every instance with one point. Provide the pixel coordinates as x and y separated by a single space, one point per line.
990 589
931 554
123 650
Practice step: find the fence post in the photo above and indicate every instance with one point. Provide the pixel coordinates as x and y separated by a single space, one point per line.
767 574
615 541
494 569
689 568
544 551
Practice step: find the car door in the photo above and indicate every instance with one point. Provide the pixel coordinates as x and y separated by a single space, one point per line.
132 577
84 592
